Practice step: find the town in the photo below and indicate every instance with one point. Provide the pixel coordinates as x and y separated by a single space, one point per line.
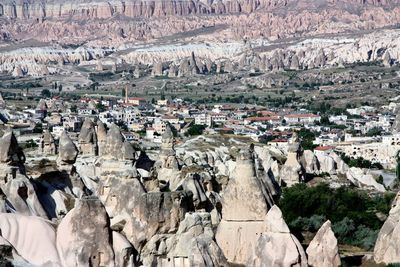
370 133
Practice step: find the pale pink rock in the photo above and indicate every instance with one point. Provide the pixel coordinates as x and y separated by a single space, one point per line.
33 238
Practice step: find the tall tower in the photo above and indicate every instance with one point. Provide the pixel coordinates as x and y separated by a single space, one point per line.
126 94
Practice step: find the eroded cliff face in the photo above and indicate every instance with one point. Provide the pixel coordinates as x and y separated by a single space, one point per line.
24 9
144 8
110 21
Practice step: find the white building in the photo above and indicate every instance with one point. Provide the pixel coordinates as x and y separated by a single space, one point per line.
307 118
203 119
58 130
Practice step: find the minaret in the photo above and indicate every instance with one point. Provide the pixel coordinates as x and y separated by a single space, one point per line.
126 94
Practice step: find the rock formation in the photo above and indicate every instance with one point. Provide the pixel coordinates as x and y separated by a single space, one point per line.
101 138
292 171
323 249
157 69
167 164
172 71
16 187
387 244
31 237
205 202
275 245
87 139
10 152
47 144
84 237
2 102
114 143
362 179
67 150
156 212
192 245
244 207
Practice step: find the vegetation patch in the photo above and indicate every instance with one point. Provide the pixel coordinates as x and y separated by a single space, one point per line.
353 213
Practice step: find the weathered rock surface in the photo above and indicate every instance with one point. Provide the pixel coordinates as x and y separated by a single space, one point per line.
156 212
323 249
67 150
276 246
87 139
387 248
120 196
167 164
292 171
47 144
362 179
101 137
244 207
244 185
116 146
84 237
32 238
192 245
10 152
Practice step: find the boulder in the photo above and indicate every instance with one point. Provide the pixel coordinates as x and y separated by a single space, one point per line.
361 178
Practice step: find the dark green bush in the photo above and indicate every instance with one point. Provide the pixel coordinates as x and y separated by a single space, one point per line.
195 130
351 211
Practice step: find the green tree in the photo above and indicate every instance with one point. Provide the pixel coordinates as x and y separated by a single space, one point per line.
74 109
351 211
375 131
38 128
100 107
45 93
195 129
307 138
325 120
